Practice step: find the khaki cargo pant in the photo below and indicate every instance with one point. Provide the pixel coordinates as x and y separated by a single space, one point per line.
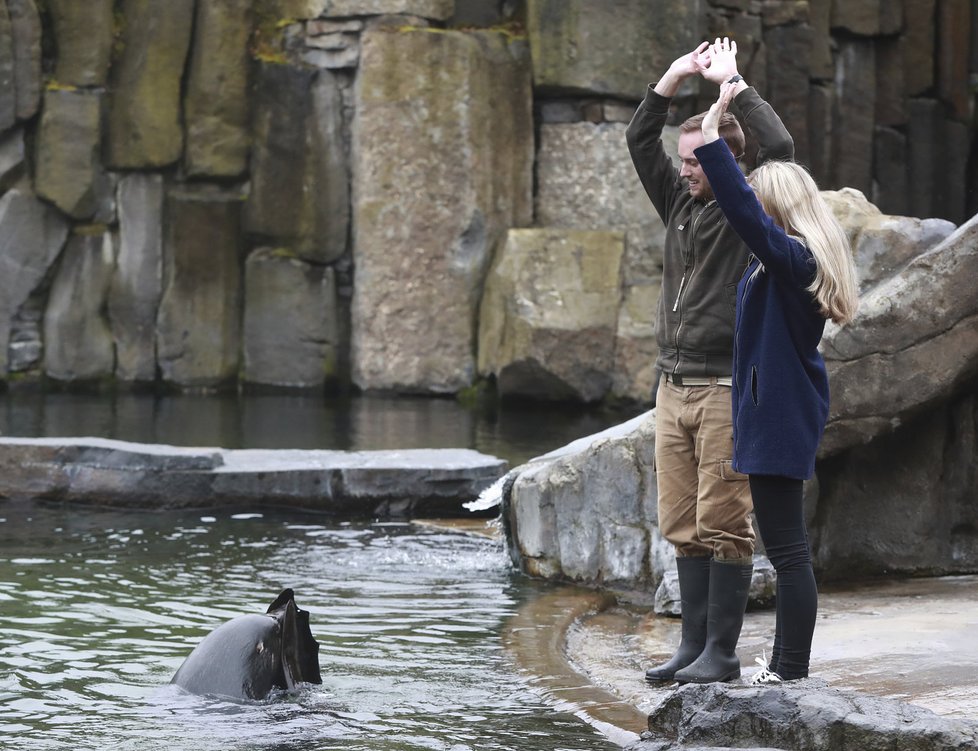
704 506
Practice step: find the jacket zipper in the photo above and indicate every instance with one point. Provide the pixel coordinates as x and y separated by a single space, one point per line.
675 305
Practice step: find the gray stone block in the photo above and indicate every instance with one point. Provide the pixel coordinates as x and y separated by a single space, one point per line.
77 337
199 325
137 283
434 196
291 321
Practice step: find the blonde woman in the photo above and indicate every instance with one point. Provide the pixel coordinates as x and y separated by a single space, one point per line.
800 275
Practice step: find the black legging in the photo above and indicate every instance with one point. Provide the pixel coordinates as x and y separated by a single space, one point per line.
781 521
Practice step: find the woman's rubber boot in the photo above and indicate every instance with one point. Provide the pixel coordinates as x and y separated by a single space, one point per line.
694 594
729 586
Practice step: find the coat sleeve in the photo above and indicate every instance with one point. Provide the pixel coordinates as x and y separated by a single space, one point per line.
654 166
783 255
762 122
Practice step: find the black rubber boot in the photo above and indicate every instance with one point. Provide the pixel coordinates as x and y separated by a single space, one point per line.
694 593
729 586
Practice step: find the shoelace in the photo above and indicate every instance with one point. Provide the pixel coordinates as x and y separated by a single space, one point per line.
764 676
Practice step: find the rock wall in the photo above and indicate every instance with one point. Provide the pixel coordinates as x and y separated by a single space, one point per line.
298 193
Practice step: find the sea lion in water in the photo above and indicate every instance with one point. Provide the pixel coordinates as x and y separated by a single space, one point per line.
248 656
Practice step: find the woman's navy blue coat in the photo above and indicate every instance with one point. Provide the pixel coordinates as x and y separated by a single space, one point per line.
780 387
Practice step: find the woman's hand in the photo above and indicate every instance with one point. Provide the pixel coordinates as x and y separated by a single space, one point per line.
721 57
711 123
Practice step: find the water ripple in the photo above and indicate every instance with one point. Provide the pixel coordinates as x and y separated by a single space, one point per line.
100 608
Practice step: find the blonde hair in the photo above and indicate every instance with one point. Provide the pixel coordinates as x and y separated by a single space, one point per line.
789 195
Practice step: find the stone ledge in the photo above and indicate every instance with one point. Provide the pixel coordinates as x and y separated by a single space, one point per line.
106 453
424 482
803 715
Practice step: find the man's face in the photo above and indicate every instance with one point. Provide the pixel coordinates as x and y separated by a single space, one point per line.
699 186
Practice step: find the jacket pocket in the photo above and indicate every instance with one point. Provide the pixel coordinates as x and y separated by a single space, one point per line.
753 384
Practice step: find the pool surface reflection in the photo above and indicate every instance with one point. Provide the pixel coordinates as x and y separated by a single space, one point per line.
99 609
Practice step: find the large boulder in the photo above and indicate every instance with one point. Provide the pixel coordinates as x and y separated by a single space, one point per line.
216 99
78 340
882 244
913 343
873 498
199 322
611 48
137 283
587 513
299 172
32 234
442 167
291 320
144 113
549 313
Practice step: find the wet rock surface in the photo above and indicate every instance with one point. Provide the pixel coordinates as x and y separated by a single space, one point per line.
893 666
804 714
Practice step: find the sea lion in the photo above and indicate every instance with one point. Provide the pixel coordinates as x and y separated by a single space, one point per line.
250 655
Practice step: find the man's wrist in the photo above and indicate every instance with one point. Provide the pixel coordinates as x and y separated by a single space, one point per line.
739 84
669 84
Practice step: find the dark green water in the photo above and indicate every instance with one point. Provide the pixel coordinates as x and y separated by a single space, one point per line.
515 432
98 609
